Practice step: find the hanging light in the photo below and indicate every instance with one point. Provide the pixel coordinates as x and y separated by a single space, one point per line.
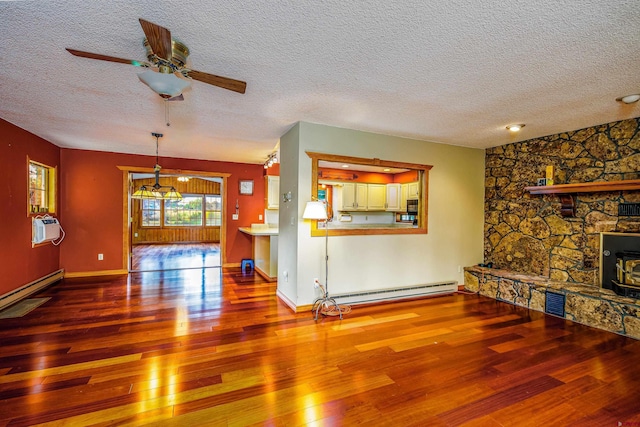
155 191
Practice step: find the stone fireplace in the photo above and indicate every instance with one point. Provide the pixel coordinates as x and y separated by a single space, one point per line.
543 243
620 263
528 233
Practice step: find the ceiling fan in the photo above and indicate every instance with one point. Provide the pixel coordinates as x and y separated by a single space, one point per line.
166 59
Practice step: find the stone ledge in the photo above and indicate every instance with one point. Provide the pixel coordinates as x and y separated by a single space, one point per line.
586 304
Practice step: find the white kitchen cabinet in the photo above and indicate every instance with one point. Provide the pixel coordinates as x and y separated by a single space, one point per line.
394 192
272 188
376 197
354 196
404 191
413 190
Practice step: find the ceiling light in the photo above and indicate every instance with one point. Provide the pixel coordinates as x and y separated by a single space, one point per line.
155 191
345 166
165 84
183 178
629 99
515 128
271 160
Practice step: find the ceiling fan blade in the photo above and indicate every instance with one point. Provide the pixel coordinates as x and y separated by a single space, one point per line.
105 57
159 39
223 82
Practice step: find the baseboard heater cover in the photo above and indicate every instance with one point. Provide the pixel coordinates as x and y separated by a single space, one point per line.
28 289
365 297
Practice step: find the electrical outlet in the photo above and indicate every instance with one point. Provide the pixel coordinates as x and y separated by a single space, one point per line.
459 269
286 276
316 283
260 217
100 257
234 217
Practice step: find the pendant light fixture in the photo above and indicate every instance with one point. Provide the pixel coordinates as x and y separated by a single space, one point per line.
156 191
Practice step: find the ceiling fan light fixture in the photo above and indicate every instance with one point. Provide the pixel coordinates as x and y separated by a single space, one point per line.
164 84
629 99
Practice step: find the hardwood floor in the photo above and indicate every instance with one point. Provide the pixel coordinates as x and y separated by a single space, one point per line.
216 347
175 256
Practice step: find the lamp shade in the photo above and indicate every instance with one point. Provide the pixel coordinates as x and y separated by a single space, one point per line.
315 210
163 83
172 194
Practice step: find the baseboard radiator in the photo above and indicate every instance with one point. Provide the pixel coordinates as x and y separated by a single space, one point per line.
26 290
378 295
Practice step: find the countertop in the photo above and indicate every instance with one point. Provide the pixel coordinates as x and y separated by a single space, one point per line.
253 231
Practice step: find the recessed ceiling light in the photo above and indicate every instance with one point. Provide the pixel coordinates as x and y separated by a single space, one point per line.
515 128
629 99
345 166
386 170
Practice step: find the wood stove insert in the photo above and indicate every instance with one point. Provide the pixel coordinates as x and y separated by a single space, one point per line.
620 263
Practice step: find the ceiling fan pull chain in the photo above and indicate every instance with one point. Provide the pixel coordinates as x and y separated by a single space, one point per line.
166 112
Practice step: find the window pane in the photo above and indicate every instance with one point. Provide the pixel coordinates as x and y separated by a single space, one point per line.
185 212
38 187
150 213
213 210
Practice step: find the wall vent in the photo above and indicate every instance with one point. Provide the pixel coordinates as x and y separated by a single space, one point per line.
397 293
554 303
629 209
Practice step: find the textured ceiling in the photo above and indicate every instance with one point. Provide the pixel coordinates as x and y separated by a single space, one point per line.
455 72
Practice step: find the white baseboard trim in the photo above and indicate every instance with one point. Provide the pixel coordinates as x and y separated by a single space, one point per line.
30 288
286 300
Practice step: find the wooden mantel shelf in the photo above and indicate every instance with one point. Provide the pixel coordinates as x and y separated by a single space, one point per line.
586 187
566 191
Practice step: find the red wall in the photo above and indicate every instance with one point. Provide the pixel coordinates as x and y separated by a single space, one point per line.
91 211
20 263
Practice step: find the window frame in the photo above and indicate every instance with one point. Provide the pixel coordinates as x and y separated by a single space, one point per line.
164 207
204 211
160 210
50 188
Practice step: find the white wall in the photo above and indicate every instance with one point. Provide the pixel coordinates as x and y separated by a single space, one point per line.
456 203
288 217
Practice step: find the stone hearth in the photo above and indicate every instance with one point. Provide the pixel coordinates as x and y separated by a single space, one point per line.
587 304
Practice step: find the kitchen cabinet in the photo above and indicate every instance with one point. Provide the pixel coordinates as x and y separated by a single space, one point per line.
408 191
413 190
376 197
394 193
354 196
272 191
404 191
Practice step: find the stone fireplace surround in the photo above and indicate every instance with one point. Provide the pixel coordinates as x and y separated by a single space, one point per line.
536 249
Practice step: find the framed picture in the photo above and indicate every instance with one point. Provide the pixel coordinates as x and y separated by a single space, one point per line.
246 187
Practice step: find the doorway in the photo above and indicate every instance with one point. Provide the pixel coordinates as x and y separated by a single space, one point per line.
172 235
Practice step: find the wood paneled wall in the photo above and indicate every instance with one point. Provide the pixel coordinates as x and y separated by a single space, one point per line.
161 234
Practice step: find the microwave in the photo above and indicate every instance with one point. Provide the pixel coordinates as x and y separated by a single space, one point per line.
412 206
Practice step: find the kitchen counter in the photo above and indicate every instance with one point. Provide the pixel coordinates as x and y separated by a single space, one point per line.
253 231
264 242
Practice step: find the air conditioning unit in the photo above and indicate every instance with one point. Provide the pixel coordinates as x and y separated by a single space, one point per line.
45 229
